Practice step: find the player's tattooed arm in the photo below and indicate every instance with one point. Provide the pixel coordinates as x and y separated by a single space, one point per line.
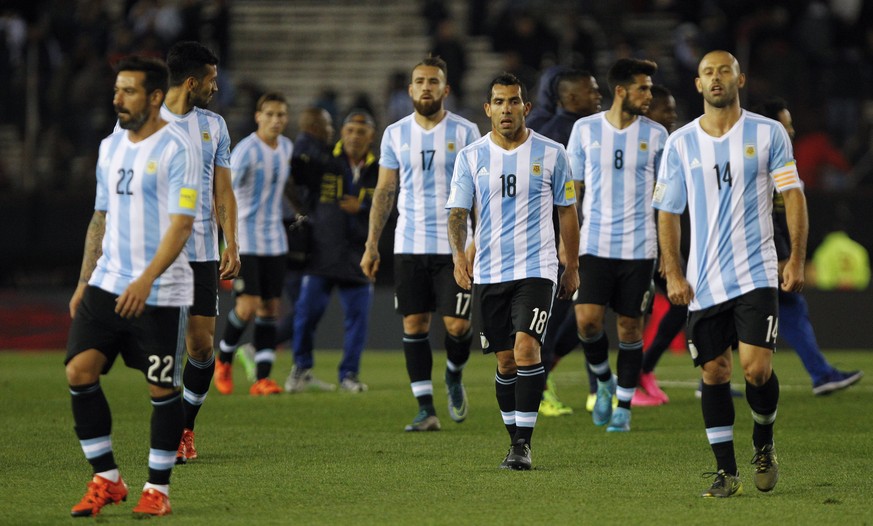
380 211
226 214
463 270
93 245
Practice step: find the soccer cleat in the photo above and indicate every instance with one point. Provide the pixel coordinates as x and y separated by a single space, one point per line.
603 405
620 420
835 381
643 399
351 384
100 492
723 486
766 468
246 356
457 398
152 503
186 450
300 380
650 384
735 393
518 457
424 421
265 387
223 377
551 405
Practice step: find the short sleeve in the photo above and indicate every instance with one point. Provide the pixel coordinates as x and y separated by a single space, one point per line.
576 153
388 157
670 192
461 194
563 189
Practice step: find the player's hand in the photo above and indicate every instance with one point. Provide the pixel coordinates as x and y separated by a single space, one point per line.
568 283
370 262
350 204
131 303
679 291
230 264
792 276
77 297
463 271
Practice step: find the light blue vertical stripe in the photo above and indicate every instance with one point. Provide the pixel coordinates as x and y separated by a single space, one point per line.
151 213
619 182
508 216
594 184
751 217
699 216
727 262
429 199
484 229
535 205
407 171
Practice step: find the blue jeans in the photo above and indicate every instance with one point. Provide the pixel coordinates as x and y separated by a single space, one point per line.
314 297
796 329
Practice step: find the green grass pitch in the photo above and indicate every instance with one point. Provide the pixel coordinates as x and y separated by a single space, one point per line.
340 458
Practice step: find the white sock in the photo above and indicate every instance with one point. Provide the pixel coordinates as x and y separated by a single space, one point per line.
163 488
111 475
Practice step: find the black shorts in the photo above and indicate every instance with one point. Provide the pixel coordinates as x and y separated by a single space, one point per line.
623 284
426 283
752 318
506 308
205 288
154 342
262 276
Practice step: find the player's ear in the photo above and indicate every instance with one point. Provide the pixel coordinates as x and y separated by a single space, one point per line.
741 80
698 85
156 98
527 107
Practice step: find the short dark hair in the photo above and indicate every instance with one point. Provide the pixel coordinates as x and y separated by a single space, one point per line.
771 107
156 73
660 92
507 79
572 75
270 96
624 70
435 62
189 59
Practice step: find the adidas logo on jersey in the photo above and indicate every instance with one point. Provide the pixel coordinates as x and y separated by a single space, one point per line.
595 144
404 148
695 163
482 171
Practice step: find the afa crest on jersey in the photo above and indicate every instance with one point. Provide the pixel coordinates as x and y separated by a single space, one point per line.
206 137
536 169
151 166
644 146
450 146
749 150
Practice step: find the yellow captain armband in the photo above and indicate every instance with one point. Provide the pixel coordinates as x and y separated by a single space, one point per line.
569 190
188 198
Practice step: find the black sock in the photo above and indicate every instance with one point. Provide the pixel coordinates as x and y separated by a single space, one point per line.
718 416
504 386
264 340
93 420
668 328
167 423
528 393
597 354
763 401
419 363
457 353
630 359
233 331
196 379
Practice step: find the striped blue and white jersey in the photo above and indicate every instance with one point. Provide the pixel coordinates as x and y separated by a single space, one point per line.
207 130
425 160
618 168
259 175
727 183
139 185
515 193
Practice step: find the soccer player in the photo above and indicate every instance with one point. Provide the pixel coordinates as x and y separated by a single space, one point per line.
193 74
615 154
514 177
662 109
578 95
260 166
135 285
419 151
794 324
725 166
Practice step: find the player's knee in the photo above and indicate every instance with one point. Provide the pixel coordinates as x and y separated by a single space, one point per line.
81 373
416 323
629 329
457 327
757 374
506 363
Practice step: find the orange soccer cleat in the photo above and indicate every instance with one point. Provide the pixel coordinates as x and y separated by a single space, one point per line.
264 387
152 503
223 377
186 450
100 492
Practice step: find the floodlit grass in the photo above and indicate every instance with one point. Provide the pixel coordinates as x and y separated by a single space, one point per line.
339 458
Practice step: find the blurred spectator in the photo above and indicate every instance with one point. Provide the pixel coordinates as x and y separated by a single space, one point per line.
820 164
399 104
841 263
434 12
545 100
449 47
